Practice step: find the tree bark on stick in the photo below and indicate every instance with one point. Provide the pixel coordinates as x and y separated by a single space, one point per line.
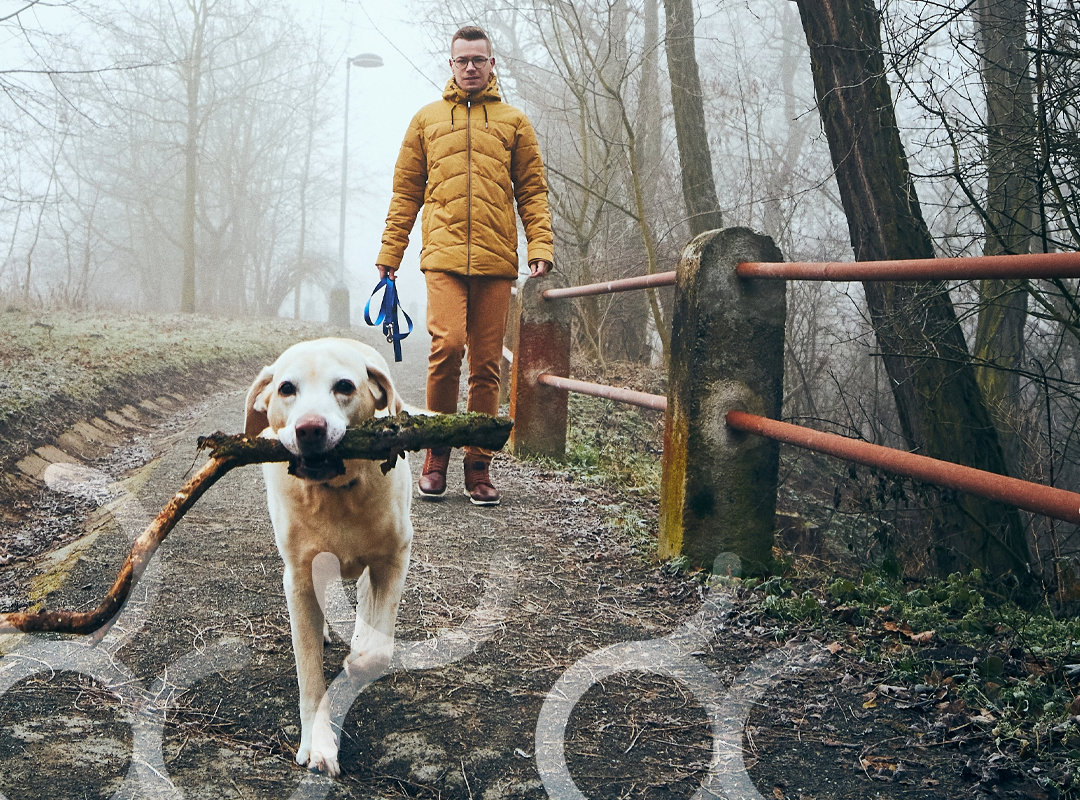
941 409
699 187
385 439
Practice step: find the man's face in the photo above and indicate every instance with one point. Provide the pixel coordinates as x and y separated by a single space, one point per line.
471 63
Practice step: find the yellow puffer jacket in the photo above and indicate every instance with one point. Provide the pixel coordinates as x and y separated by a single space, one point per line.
466 160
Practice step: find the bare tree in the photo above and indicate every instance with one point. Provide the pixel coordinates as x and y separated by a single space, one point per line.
699 188
1010 203
941 410
203 182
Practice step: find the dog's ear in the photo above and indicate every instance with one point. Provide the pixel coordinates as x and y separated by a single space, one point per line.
382 389
258 398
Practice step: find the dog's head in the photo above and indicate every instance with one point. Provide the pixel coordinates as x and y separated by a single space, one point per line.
312 393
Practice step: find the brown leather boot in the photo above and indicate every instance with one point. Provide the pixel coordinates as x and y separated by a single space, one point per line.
432 483
478 486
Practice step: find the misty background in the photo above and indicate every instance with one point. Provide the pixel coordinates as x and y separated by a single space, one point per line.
186 155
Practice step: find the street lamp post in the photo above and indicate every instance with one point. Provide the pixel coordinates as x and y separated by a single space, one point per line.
339 295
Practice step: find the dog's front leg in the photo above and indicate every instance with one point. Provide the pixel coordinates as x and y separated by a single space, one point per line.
378 595
318 742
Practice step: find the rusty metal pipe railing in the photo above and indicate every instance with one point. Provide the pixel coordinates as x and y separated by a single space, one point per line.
1032 265
643 399
1034 497
624 285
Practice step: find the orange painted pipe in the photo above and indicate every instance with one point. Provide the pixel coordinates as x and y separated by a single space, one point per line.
1032 265
624 285
1034 497
643 399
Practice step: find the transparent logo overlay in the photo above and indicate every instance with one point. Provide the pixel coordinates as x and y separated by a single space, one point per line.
672 656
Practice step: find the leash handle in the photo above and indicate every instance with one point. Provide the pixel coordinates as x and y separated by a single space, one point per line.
388 314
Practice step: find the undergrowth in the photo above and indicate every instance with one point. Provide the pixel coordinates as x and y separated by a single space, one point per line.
617 447
1010 674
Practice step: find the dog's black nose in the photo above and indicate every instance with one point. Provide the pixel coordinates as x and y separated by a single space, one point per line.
310 433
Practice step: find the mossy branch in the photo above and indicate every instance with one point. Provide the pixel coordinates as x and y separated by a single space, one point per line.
384 439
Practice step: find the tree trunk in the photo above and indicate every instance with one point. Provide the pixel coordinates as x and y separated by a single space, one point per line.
301 255
192 74
941 410
699 188
1010 193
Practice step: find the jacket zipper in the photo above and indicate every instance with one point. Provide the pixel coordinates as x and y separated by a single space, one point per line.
468 187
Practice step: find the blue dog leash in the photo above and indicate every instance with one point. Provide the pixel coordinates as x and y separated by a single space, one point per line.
388 315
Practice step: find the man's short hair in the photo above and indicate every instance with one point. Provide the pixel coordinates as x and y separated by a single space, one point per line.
471 33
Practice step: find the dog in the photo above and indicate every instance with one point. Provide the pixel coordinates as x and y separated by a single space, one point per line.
322 505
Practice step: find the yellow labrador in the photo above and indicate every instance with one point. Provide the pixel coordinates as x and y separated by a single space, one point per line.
350 509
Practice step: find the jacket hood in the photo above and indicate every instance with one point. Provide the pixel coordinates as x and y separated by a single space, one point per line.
490 93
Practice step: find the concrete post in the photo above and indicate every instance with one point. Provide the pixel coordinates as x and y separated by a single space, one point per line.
718 493
543 346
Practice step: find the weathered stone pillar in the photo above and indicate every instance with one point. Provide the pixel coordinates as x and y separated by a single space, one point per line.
719 486
543 346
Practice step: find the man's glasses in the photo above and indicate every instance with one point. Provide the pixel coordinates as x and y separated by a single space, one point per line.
476 61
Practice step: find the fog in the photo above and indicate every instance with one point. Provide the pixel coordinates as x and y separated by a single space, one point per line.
95 126
146 140
163 156
136 132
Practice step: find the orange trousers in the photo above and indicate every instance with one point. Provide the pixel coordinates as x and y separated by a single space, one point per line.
466 314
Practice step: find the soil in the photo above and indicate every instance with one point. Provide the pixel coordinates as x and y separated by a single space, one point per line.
503 616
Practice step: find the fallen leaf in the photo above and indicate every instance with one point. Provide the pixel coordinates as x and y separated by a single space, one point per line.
778 793
834 647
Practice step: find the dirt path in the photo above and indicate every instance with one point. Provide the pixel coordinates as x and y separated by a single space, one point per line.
539 656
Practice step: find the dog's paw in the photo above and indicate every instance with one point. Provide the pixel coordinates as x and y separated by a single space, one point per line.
320 756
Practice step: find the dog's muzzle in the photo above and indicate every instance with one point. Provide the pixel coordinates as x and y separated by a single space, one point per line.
317 468
314 451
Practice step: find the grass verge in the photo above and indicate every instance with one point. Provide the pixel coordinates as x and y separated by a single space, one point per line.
59 367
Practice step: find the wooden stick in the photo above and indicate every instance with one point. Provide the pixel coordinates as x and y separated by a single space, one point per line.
384 439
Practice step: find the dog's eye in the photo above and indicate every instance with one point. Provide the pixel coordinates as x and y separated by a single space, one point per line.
344 387
287 389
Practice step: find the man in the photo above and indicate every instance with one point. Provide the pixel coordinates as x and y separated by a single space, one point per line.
466 159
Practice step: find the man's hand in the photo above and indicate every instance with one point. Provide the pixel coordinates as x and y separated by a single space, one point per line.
385 272
538 269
